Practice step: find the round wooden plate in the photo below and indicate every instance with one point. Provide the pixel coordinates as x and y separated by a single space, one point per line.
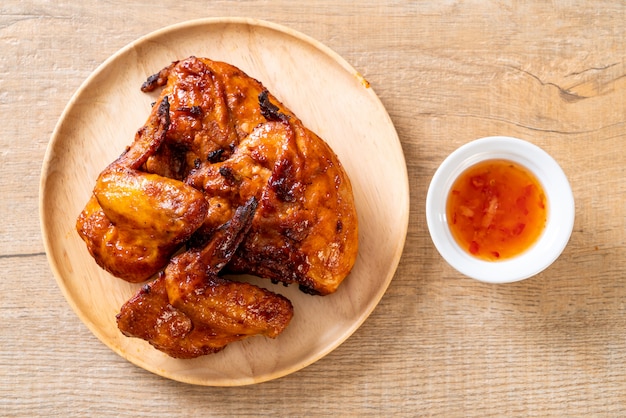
325 92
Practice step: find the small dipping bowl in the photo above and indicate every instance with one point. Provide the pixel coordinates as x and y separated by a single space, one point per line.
560 209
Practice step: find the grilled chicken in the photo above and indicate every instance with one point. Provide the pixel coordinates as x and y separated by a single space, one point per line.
223 178
189 311
232 139
135 220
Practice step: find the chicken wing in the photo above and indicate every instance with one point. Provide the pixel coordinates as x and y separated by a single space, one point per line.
135 220
189 311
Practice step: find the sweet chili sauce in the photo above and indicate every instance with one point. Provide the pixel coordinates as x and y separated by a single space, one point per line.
496 209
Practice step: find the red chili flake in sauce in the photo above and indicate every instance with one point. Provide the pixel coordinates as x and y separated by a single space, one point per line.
496 209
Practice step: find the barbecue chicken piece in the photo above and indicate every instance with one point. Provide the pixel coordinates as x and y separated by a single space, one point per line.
232 139
135 220
189 311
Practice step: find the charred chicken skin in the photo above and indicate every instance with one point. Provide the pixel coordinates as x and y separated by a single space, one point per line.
222 178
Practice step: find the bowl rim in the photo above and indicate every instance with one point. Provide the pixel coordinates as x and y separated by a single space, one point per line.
559 222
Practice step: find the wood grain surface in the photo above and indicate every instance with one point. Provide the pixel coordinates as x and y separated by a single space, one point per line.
438 344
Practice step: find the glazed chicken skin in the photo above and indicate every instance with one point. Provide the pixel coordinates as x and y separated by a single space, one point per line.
232 139
135 220
221 179
189 311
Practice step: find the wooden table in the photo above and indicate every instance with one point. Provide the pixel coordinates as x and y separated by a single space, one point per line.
438 343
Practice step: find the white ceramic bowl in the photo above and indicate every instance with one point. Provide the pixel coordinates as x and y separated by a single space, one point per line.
559 224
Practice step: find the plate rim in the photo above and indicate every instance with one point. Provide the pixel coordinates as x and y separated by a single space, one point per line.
54 139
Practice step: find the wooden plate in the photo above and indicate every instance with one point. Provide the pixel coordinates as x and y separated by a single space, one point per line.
326 93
